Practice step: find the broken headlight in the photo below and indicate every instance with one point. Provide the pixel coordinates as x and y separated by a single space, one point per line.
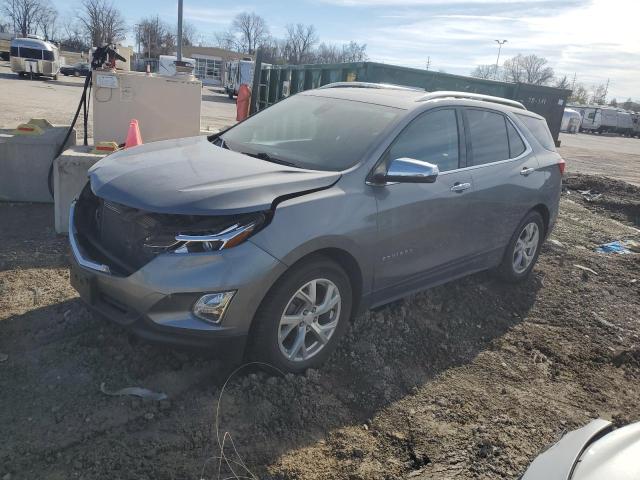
220 239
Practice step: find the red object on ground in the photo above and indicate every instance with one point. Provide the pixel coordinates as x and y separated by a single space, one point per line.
133 136
243 102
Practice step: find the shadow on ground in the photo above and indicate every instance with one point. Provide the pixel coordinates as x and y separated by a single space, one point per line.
60 422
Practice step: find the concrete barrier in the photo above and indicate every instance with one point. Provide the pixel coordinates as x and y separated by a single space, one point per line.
69 178
25 162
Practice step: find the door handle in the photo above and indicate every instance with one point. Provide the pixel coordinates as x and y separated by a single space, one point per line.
460 187
526 171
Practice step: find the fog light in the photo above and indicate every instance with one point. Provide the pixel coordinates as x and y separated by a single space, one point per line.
211 307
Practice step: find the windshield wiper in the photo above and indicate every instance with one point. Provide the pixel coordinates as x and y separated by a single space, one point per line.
269 158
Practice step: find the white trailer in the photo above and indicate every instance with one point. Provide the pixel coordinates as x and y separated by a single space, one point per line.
34 57
237 72
167 64
607 120
571 120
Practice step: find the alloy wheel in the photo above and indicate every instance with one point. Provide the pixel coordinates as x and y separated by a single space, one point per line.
526 247
309 320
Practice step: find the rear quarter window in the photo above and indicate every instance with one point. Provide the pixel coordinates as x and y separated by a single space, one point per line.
539 129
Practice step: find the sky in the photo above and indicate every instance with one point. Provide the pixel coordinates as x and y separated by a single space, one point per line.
596 40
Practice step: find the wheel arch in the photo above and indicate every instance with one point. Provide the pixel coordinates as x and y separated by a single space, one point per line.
543 210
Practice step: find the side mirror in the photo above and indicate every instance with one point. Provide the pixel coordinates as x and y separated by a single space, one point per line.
409 170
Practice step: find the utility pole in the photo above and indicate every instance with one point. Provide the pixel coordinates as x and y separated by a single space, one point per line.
13 15
573 84
428 63
500 43
179 30
606 90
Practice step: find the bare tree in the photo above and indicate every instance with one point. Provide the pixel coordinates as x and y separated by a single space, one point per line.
155 36
599 94
354 52
24 14
102 22
226 40
252 29
327 54
579 94
299 42
484 71
527 69
189 34
48 20
563 83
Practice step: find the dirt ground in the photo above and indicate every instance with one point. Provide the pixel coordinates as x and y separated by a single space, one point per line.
468 380
22 99
610 155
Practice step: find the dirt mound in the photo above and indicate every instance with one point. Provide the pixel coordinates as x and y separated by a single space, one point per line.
605 195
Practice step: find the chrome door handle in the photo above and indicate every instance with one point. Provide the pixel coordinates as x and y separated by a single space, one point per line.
460 187
526 171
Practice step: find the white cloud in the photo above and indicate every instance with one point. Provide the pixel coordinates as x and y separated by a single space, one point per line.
596 40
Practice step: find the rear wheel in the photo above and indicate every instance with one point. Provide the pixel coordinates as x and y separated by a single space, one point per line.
523 249
303 317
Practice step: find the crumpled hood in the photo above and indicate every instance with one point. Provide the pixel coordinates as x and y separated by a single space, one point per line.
192 176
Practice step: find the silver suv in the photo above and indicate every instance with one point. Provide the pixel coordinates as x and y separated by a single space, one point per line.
274 233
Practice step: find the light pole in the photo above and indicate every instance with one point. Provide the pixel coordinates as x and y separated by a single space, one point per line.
179 52
500 43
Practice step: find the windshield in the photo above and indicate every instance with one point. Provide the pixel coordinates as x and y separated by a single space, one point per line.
317 133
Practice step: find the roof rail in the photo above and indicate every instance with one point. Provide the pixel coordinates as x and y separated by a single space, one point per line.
389 86
471 96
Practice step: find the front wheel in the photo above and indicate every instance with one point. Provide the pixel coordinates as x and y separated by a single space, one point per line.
523 249
303 317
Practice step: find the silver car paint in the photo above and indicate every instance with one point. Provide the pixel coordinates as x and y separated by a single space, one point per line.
180 176
592 452
401 237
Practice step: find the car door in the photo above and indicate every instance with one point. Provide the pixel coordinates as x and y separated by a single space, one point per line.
505 176
423 226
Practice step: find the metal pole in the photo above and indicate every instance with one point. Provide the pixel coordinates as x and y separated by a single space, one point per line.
255 90
179 30
495 72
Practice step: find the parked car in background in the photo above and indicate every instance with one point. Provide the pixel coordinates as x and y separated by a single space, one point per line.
275 232
34 57
81 69
594 452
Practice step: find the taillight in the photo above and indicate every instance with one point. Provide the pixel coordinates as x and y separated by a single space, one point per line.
561 165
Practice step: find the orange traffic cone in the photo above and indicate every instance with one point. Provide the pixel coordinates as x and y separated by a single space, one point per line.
133 136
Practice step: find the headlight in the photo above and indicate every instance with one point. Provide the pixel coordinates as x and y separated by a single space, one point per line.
229 237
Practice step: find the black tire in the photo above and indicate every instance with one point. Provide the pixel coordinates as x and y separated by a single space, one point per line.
264 345
506 270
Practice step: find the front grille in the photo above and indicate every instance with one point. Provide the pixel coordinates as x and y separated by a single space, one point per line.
126 238
117 235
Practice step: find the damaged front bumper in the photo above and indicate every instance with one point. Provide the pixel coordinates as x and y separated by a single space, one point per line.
156 301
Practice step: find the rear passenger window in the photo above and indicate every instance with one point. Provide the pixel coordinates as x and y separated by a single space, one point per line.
516 145
488 134
432 137
539 129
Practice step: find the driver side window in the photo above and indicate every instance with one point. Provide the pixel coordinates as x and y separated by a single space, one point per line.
432 137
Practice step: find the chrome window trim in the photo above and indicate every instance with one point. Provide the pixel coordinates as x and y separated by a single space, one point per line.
75 249
528 149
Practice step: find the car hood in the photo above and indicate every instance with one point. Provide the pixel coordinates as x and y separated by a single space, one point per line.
192 176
